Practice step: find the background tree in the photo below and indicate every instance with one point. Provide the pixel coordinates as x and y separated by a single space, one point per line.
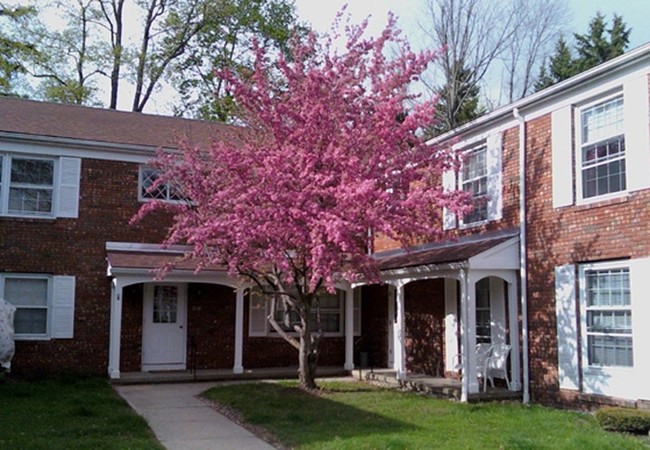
473 33
187 36
68 63
225 41
288 202
596 46
13 50
536 27
482 38
455 109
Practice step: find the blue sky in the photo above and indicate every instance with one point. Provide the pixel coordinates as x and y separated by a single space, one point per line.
320 14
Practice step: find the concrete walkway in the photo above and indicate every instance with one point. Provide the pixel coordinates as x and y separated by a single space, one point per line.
183 421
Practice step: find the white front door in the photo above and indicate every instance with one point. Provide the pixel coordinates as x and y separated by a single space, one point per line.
164 326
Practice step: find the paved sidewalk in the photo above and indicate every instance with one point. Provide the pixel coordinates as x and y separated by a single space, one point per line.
182 421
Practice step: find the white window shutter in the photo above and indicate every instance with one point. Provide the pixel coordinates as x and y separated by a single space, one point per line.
448 184
63 292
357 312
494 189
567 327
69 175
562 158
257 315
637 133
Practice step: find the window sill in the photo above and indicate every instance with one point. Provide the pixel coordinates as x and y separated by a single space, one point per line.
601 203
32 338
467 226
27 218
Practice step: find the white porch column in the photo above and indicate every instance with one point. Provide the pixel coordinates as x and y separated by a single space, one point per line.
115 337
400 350
464 342
239 330
513 315
471 333
451 326
468 333
349 329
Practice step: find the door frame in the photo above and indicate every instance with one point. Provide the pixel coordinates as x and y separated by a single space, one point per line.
147 309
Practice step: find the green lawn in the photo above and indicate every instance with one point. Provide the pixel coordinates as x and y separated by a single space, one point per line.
357 416
69 414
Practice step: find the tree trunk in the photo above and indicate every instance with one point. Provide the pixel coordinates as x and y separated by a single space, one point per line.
308 361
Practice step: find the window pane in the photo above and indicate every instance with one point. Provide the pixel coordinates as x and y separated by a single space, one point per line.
602 120
32 171
30 321
610 351
149 177
329 301
474 182
609 317
165 304
30 200
26 291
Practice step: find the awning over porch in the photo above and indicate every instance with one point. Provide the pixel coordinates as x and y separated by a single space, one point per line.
471 251
131 257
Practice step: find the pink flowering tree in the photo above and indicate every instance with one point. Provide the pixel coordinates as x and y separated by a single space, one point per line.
327 156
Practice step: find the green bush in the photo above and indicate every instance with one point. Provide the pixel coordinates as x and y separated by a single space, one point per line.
624 419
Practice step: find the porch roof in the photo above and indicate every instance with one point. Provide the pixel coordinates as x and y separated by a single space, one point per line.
446 252
150 257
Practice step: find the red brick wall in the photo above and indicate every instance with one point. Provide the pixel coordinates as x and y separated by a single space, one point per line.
614 229
211 324
131 337
424 304
107 202
374 325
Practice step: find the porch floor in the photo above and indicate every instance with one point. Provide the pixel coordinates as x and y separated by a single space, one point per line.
433 386
184 376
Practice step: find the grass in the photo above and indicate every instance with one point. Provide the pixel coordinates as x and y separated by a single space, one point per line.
69 413
357 416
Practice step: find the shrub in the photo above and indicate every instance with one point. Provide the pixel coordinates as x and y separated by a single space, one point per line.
624 419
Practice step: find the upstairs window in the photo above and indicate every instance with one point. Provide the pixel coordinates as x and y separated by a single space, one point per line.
602 148
165 192
474 180
26 185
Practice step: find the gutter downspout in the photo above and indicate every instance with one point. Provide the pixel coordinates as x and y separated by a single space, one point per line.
522 251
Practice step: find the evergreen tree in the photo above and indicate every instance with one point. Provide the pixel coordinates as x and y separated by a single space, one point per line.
595 47
458 103
561 66
600 44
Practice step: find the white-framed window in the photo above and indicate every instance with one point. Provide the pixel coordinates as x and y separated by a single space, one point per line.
332 315
480 176
31 297
483 312
165 192
44 304
608 315
474 180
39 186
601 161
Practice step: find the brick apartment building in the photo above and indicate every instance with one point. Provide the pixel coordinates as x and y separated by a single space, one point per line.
553 260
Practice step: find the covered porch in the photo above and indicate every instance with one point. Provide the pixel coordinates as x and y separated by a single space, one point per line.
202 325
471 287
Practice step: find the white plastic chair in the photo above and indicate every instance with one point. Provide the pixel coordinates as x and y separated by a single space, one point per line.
496 365
483 353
